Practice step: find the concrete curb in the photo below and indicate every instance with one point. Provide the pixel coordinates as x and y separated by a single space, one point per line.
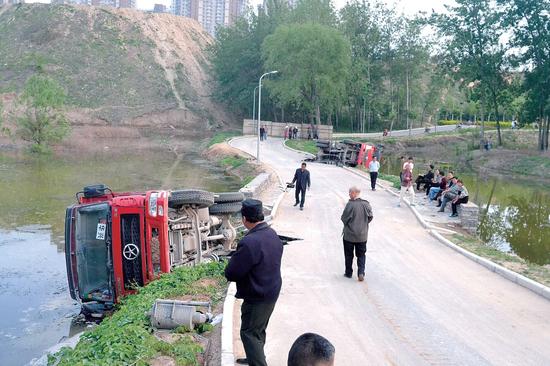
510 275
228 357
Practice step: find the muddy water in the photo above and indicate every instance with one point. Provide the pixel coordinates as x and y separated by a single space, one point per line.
514 213
36 307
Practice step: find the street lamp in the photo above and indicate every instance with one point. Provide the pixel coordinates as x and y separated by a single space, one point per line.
260 111
254 108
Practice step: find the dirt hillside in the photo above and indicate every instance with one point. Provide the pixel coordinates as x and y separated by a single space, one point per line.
127 73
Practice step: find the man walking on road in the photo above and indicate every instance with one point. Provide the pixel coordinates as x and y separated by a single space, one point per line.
356 218
256 268
303 182
374 166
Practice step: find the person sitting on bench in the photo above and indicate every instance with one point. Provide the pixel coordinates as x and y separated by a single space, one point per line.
426 178
462 198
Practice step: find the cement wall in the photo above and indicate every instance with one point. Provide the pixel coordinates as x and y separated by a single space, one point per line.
276 129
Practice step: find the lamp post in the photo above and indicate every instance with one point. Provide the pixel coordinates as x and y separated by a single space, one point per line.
260 111
254 108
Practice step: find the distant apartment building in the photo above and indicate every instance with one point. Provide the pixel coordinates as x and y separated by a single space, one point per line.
159 8
210 13
11 2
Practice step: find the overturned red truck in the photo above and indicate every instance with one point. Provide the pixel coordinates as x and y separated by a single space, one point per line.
116 241
347 152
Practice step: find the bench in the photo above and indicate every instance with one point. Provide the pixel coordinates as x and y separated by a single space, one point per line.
469 217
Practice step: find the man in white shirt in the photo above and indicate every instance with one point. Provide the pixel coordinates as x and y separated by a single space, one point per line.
374 166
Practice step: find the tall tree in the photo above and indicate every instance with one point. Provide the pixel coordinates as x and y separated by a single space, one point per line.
236 56
530 21
312 60
471 35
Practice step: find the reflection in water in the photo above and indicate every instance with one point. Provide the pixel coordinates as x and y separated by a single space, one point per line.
514 216
36 306
524 224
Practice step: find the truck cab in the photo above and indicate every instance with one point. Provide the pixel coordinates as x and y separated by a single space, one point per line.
116 242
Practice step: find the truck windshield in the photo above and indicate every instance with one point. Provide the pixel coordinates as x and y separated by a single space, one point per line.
92 252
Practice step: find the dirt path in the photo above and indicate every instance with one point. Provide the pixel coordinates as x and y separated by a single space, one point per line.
421 302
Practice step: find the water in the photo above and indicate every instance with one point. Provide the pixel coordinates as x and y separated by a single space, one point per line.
36 306
514 214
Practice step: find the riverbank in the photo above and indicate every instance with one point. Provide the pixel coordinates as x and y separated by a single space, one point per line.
472 243
127 338
517 159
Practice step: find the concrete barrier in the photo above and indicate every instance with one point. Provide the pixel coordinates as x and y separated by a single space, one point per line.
277 129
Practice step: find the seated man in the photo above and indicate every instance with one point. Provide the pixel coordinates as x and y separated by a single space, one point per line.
311 349
449 182
426 178
449 194
436 188
436 181
461 198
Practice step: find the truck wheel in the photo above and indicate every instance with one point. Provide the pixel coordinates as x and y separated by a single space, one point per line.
228 197
225 208
191 197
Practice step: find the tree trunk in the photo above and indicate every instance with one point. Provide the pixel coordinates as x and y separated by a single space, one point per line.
547 133
499 137
318 114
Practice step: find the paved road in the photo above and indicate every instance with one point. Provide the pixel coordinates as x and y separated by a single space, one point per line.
421 303
400 133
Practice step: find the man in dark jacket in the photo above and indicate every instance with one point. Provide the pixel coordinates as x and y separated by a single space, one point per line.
256 268
356 218
303 182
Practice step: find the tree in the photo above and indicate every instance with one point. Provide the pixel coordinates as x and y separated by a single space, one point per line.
43 122
313 11
237 60
313 61
471 37
530 21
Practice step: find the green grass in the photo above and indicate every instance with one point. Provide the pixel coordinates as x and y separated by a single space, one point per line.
232 161
222 136
394 179
303 145
533 271
126 337
531 165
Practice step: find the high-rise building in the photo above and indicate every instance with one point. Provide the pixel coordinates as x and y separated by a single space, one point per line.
11 2
159 8
210 13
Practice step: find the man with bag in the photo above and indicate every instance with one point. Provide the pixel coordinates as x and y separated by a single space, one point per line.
303 182
356 218
256 268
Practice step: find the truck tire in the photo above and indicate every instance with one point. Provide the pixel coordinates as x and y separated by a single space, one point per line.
191 197
225 208
228 197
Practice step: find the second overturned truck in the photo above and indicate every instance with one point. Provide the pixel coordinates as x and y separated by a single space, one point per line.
347 152
115 242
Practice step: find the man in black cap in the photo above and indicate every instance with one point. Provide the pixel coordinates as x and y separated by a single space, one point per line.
303 182
256 268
